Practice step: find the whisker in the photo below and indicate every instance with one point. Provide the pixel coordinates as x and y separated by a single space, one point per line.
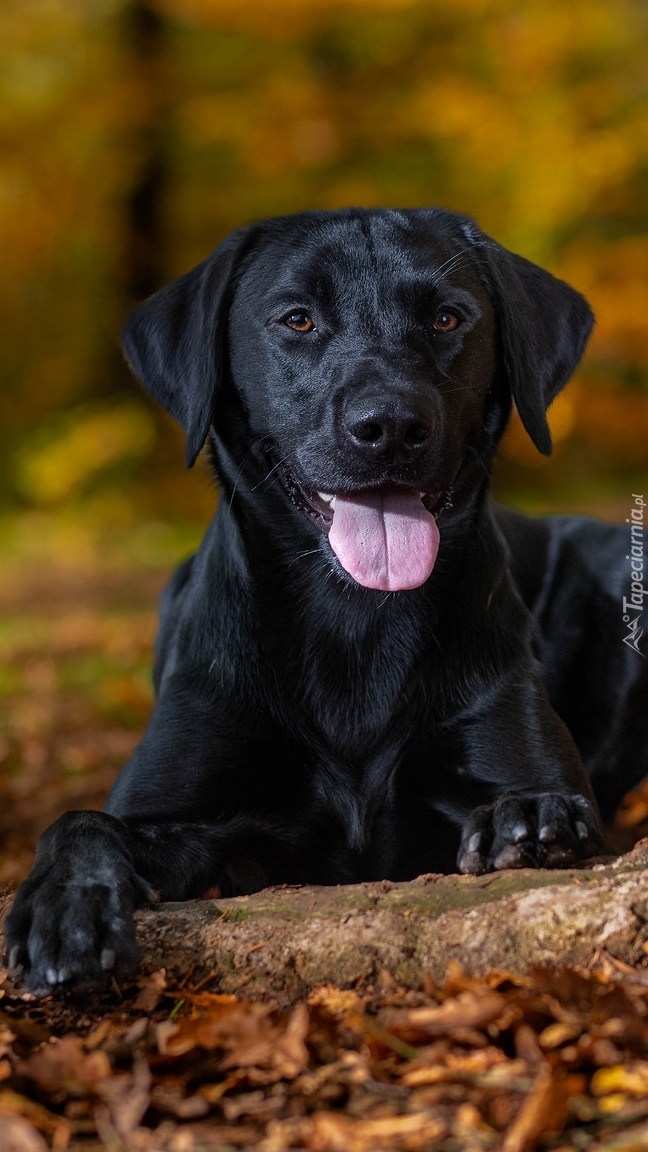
235 486
450 261
451 265
258 443
302 555
459 258
266 478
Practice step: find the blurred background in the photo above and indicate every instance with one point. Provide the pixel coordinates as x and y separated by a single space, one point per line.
135 135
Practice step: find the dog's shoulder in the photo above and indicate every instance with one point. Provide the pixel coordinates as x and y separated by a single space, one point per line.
578 554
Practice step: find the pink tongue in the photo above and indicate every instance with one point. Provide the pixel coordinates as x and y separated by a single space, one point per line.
384 538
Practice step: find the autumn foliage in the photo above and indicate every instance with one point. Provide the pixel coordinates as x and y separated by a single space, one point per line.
553 1060
136 133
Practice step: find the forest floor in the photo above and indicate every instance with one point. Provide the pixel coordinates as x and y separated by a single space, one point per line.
550 1059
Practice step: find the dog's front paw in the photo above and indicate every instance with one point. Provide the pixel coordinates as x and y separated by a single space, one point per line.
65 930
547 830
72 919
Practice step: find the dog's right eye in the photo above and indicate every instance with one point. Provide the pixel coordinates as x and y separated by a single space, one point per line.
445 321
299 322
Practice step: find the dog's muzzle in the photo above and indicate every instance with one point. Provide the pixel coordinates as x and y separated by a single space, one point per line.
385 537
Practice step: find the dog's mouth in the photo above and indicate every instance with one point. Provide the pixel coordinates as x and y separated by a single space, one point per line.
384 537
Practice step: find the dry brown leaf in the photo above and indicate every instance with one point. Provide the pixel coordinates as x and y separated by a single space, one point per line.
127 1097
468 1065
457 980
167 1030
257 1105
336 1001
201 999
559 1033
96 1038
152 988
465 1010
170 1097
527 1047
471 1129
66 1068
223 1026
633 811
544 1110
282 1051
215 1029
18 1135
248 1035
213 1092
54 1127
336 1133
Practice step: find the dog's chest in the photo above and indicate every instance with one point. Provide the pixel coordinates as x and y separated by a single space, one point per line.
352 702
356 708
354 695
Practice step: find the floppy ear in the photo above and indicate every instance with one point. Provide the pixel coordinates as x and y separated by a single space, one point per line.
174 341
544 325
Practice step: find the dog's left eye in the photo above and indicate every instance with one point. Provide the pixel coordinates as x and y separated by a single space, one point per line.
445 321
299 322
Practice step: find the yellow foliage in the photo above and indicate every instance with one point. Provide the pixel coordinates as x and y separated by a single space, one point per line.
614 277
82 445
530 115
626 1079
282 19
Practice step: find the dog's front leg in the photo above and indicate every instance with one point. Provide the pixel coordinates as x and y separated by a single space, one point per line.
72 919
543 812
177 821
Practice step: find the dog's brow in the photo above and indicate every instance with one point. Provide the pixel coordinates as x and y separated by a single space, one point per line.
458 260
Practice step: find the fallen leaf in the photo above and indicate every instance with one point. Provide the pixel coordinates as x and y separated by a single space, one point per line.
544 1110
333 1133
13 1104
18 1135
631 1079
249 1036
152 988
127 1097
465 1010
66 1068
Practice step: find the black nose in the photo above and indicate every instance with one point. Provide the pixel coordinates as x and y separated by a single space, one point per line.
392 432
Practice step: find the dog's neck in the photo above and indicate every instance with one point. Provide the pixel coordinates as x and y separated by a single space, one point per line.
340 640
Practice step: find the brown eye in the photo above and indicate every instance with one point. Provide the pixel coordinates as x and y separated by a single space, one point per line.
299 322
445 321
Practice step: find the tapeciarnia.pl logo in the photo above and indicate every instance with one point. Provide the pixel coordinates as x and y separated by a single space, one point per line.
634 604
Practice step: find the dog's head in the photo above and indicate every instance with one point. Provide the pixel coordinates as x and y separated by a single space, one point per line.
370 357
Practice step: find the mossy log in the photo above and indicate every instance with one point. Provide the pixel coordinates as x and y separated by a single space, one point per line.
284 941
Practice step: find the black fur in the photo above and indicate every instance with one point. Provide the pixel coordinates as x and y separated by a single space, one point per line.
309 729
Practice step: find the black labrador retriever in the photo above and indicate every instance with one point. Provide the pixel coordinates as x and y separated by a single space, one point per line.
366 671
